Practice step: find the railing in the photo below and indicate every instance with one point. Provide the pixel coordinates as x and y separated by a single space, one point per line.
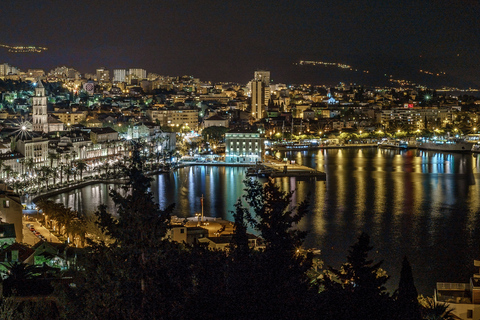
452 286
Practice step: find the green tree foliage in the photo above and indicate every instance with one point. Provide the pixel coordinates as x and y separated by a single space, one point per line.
357 290
215 133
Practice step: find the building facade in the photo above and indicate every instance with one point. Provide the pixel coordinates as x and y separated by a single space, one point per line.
39 109
243 147
11 210
175 117
258 99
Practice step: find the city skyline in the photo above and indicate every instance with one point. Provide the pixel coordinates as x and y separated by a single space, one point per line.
225 41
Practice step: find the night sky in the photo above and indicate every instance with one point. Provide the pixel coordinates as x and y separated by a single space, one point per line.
227 40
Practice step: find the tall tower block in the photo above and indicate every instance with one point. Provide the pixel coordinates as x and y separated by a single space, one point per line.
40 116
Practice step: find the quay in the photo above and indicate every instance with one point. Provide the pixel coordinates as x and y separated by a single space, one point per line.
306 147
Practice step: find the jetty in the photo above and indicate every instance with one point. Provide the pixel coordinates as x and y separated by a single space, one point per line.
279 170
275 168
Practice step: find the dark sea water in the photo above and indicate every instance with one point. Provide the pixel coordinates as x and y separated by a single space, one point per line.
425 205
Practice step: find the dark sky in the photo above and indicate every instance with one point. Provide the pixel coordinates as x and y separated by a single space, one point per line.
228 40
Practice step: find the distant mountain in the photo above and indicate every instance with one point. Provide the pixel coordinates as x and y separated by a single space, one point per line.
382 70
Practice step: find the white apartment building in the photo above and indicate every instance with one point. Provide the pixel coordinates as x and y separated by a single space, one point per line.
120 75
138 73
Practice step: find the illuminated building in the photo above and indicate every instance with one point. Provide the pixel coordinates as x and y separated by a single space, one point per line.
258 99
119 75
40 116
137 73
6 69
10 212
264 76
175 117
243 147
102 74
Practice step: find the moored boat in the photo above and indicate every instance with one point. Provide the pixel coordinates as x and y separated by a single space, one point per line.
450 145
393 144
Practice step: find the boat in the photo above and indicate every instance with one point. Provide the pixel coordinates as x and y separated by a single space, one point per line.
449 145
393 144
294 146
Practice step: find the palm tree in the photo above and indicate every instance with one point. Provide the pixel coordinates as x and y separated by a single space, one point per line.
1 165
8 170
52 157
432 310
29 164
81 166
46 172
67 172
77 230
22 163
18 273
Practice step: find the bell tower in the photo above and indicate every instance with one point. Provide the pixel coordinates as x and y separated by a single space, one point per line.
40 116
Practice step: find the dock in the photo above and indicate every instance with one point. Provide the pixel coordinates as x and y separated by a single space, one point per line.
279 170
275 168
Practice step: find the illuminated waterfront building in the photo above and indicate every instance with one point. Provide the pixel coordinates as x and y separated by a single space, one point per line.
243 147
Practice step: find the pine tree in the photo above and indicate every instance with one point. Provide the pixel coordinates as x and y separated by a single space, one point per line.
139 274
279 272
406 295
356 290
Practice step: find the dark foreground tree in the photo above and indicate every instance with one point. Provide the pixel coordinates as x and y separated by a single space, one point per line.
139 274
407 295
277 279
356 290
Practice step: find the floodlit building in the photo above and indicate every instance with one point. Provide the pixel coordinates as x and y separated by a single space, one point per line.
264 76
258 99
120 75
40 115
243 147
138 73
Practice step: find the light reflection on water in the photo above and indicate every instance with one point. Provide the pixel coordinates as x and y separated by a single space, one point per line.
422 204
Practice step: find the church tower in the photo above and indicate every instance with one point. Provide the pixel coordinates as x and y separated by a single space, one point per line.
40 116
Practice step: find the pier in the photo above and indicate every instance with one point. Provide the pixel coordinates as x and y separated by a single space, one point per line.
278 170
275 168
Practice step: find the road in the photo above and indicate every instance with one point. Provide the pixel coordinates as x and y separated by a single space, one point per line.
31 239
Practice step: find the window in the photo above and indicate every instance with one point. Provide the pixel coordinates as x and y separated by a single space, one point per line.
469 314
6 203
182 230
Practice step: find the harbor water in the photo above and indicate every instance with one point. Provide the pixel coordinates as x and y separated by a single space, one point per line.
422 204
